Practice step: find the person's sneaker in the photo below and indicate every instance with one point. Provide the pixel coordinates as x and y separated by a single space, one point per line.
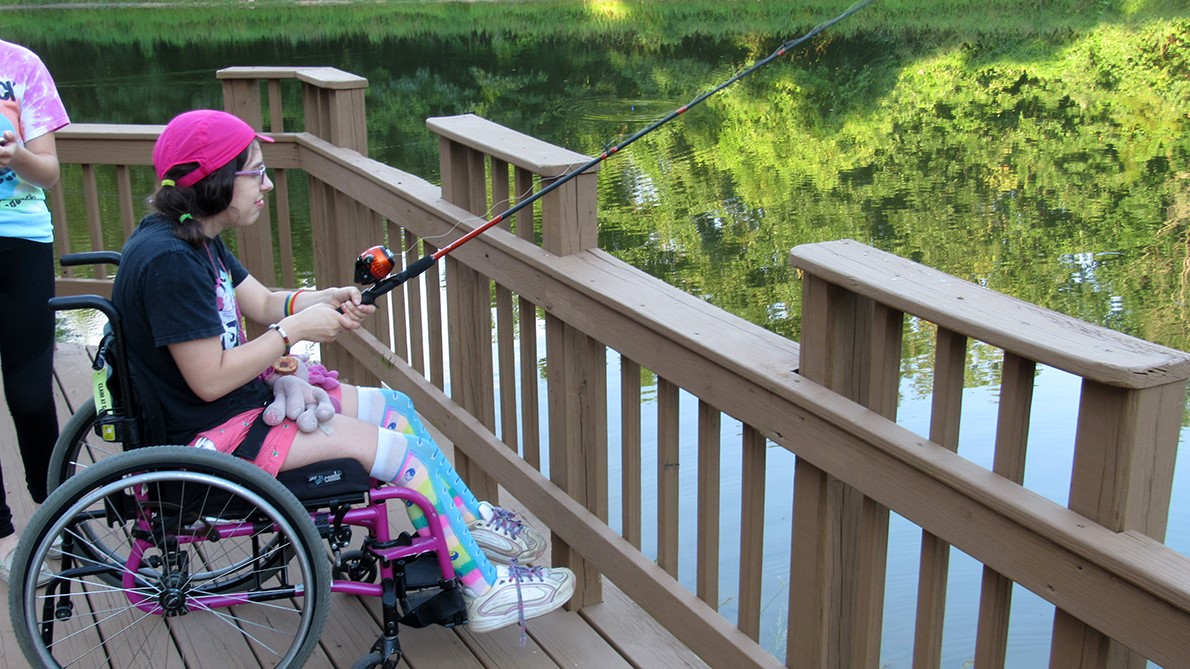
43 577
520 593
56 549
504 538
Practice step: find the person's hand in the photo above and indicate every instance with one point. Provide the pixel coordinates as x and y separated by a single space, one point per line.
319 323
8 147
348 300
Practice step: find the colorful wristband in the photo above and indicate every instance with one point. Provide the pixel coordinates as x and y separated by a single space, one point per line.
291 301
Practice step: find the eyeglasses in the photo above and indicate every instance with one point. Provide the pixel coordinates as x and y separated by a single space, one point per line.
258 173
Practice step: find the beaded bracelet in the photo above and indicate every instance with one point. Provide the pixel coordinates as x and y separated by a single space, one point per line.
291 301
284 337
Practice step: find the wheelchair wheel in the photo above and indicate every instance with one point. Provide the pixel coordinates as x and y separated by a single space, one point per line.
187 516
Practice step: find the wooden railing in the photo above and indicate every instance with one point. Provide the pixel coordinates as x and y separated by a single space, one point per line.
462 340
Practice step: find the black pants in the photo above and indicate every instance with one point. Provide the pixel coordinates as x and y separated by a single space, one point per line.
27 360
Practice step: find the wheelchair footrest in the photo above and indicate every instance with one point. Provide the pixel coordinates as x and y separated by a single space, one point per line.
444 606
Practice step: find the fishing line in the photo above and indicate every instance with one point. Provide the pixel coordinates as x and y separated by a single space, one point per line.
365 268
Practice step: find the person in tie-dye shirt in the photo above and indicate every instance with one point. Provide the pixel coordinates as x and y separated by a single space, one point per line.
30 113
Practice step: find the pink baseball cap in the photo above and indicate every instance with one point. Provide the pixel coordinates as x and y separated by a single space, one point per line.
204 136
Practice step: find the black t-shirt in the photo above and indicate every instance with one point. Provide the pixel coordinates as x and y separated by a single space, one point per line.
169 292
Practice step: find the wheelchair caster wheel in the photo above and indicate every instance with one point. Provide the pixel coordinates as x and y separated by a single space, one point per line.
356 566
376 660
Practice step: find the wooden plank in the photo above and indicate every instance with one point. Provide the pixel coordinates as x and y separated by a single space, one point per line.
669 460
1012 435
94 223
1125 448
413 316
630 451
435 327
852 346
1039 334
530 413
527 313
508 145
755 455
502 648
950 358
637 636
709 484
570 641
128 212
280 199
577 388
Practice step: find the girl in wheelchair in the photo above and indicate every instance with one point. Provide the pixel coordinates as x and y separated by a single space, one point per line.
184 296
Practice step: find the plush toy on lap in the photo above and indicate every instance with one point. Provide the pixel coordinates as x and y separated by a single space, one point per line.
299 393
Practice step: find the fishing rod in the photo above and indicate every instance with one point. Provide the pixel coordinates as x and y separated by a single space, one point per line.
373 266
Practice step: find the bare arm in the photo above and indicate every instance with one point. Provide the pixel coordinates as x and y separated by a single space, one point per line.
212 372
263 306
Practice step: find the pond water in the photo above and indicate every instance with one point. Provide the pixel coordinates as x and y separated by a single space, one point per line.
951 150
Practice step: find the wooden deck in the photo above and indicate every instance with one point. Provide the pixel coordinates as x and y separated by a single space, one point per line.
615 633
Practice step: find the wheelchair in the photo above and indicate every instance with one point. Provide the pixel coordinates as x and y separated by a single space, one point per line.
167 549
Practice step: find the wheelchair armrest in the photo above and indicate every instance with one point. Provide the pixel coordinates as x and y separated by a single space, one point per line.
90 258
101 304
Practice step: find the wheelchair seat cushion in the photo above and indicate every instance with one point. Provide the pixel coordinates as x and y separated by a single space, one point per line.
342 479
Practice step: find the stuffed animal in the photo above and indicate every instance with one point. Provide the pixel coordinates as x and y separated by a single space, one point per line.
295 398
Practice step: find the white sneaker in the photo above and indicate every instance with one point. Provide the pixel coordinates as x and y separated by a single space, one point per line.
504 538
43 577
520 593
56 549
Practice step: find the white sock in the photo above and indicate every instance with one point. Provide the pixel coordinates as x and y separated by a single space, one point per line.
390 455
371 405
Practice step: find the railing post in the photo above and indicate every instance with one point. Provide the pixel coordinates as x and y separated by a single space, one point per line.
255 243
576 382
1125 447
851 345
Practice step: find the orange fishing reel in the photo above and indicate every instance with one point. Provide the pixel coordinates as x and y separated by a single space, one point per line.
373 265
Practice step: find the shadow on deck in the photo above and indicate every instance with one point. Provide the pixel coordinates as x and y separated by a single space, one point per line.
615 633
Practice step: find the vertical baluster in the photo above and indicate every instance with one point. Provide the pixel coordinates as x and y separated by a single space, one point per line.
668 475
416 318
124 192
1012 432
630 450
94 222
709 486
752 530
505 326
949 368
527 318
61 228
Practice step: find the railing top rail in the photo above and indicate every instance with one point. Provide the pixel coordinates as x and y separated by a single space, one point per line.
1091 351
508 145
324 77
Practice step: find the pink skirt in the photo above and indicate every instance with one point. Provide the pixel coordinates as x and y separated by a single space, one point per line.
277 442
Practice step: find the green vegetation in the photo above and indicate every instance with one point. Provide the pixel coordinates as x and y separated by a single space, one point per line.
650 22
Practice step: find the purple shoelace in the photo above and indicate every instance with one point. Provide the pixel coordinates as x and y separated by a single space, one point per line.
518 573
503 519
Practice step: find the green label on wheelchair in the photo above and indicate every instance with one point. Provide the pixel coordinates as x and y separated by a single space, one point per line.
103 400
